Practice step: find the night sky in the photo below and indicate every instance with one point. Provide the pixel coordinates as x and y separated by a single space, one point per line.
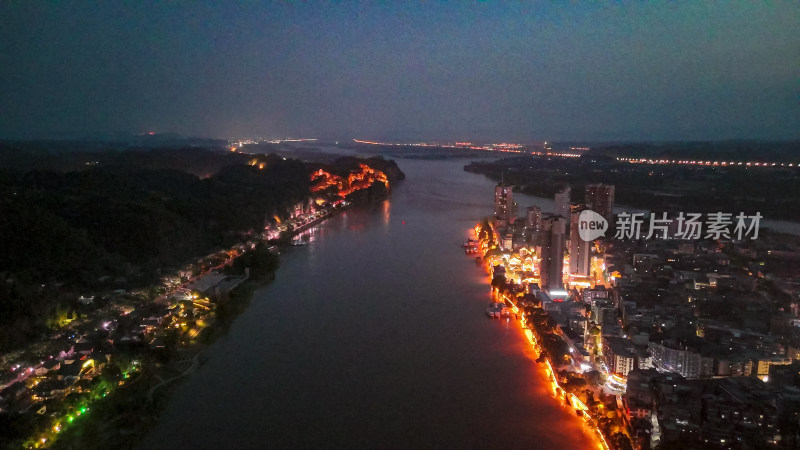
402 70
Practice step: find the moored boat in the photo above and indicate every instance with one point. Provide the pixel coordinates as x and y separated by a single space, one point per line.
497 309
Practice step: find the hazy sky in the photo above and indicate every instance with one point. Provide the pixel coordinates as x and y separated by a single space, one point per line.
402 70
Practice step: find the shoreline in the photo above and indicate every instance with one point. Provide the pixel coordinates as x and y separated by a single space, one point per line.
334 212
100 354
135 405
558 391
150 389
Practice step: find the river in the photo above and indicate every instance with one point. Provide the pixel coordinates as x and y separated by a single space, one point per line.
374 335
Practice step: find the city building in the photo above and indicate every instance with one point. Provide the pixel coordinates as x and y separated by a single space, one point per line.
553 242
639 396
733 365
600 199
504 213
784 374
507 243
619 354
690 364
533 219
562 202
591 295
578 249
762 365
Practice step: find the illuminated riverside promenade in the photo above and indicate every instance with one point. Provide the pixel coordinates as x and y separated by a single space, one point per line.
549 373
374 335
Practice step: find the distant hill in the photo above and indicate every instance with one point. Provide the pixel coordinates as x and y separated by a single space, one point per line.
66 156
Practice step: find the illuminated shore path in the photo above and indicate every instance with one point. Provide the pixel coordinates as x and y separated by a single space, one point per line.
558 392
374 336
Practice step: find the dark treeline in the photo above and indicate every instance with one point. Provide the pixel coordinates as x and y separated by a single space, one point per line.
65 156
124 225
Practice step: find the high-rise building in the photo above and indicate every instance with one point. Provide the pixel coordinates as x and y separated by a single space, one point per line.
552 264
578 248
562 202
504 204
533 219
600 199
513 213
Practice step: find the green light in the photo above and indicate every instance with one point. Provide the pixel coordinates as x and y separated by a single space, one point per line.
70 419
83 410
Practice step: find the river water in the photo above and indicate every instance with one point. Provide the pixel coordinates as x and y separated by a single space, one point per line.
374 335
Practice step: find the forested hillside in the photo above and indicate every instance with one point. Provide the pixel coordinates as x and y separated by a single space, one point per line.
125 222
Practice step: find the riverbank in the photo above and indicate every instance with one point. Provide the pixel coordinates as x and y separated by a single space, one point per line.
361 343
135 408
569 388
157 375
130 406
137 336
569 398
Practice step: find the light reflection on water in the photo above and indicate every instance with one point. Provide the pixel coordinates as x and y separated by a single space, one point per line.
374 335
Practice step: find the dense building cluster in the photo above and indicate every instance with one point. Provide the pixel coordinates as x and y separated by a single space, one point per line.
697 339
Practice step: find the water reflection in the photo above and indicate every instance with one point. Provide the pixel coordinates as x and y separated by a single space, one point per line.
374 335
387 209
